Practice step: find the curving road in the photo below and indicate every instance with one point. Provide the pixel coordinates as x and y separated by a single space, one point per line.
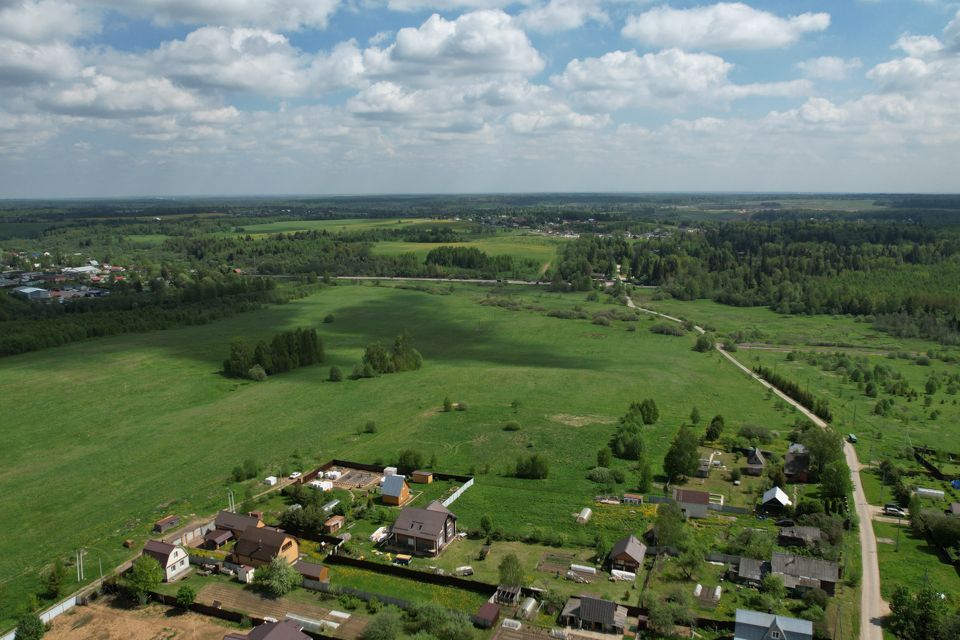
872 606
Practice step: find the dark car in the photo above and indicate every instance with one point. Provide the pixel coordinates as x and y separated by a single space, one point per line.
785 523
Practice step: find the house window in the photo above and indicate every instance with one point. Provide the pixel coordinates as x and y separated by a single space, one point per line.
775 635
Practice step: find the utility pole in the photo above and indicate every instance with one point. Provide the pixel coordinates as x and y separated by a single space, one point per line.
899 526
231 505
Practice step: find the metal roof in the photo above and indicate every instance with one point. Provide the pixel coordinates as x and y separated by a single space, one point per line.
805 567
393 486
755 625
630 546
778 494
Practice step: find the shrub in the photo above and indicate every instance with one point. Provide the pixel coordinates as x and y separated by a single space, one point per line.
328 319
513 425
667 329
335 374
257 373
462 406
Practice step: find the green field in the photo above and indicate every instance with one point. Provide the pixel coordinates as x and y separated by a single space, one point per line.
764 326
105 436
915 563
534 247
348 225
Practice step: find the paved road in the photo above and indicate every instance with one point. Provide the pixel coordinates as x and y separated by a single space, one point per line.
872 606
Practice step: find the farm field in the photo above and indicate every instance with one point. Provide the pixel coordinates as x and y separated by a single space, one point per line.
762 325
85 469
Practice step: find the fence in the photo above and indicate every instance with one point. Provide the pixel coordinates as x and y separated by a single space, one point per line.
49 614
725 508
474 586
726 558
459 492
337 590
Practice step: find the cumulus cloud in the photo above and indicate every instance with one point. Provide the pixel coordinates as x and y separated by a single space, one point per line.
25 63
480 43
562 15
268 14
46 21
448 5
918 46
103 96
726 25
669 79
255 60
828 68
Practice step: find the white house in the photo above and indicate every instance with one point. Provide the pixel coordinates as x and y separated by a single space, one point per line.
172 558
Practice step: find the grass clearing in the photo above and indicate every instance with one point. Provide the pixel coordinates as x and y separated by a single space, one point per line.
916 562
103 437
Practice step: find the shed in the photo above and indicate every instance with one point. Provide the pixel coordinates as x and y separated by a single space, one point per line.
312 570
487 615
321 485
775 499
216 538
756 462
389 471
245 573
627 554
31 293
165 524
395 490
333 524
693 504
584 516
422 477
270 481
632 498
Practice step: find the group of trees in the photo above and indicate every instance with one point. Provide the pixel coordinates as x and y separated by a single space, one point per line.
819 407
683 456
533 467
420 621
922 614
469 258
26 326
286 351
377 360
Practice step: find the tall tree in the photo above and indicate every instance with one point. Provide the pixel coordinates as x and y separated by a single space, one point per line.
510 570
144 576
682 458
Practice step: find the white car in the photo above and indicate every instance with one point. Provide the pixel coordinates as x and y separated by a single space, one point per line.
295 475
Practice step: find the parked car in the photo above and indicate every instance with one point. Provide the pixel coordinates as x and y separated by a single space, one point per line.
785 523
295 475
894 510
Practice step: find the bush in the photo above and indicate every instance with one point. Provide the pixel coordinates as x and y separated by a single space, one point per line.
667 329
462 406
257 373
513 425
704 343
335 374
370 427
534 467
185 597
328 319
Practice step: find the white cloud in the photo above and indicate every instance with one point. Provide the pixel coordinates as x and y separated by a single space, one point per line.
559 118
481 43
669 79
45 21
449 5
828 68
22 62
268 14
721 26
918 46
257 61
562 15
101 96
951 33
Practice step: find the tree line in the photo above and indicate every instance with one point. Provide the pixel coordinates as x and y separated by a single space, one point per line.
286 351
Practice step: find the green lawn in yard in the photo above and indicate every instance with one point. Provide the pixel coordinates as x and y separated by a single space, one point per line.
103 437
915 563
404 589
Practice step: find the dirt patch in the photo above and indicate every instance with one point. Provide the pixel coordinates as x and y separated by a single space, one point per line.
555 563
886 541
581 421
102 621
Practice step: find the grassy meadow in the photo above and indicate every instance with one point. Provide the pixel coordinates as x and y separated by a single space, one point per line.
105 436
542 249
348 225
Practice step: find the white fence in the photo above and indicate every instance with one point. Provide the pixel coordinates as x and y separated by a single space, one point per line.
456 494
49 614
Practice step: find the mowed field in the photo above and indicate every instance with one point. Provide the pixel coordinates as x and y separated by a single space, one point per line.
103 437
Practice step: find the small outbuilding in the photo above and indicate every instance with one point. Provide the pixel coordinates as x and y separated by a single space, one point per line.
422 477
632 498
693 504
487 615
775 500
584 516
627 554
270 481
165 524
394 490
333 524
799 536
312 571
756 462
594 614
216 538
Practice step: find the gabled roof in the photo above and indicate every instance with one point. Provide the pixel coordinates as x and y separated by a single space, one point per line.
750 569
260 543
159 551
312 570
754 625
596 610
689 496
283 630
218 536
630 546
776 494
438 507
798 449
418 522
796 566
393 486
756 458
234 521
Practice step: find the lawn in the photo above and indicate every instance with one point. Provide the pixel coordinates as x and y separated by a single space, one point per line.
104 437
915 563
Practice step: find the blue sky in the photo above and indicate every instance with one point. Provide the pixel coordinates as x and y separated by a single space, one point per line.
233 97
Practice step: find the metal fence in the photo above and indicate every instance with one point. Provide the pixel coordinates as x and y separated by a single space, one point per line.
49 614
459 492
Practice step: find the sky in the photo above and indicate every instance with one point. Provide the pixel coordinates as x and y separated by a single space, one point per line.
103 98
